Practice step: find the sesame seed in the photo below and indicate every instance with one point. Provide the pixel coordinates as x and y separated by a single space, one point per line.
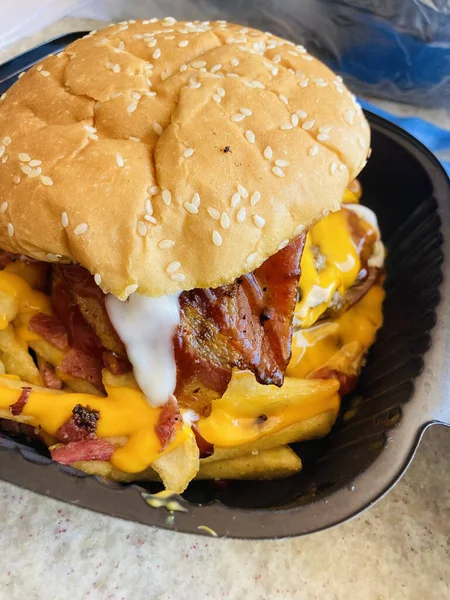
304 83
173 267
21 75
23 157
134 139
221 92
195 200
268 152
216 68
322 137
198 64
241 215
80 229
235 199
150 219
333 168
282 163
45 180
153 190
165 74
3 96
259 221
276 59
6 140
3 207
274 71
156 53
301 114
191 208
342 167
166 197
183 68
242 191
306 57
251 258
286 126
193 83
188 152
308 124
255 198
16 179
98 278
130 289
325 129
178 277
10 229
163 244
283 99
238 117
234 62
132 107
148 206
214 213
258 84
283 244
64 219
119 160
246 111
115 68
35 172
183 43
216 238
314 150
39 68
217 98
250 136
277 171
298 230
26 169
157 128
90 128
225 221
141 228
361 143
2 151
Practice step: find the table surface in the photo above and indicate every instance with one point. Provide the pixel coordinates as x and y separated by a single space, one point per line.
399 549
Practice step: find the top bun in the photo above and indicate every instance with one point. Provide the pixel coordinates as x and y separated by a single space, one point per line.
164 155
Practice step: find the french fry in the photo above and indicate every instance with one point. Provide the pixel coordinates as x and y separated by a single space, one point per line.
274 463
9 307
15 357
178 467
316 427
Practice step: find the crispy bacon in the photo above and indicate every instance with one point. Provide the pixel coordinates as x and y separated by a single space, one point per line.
83 450
246 324
168 423
347 382
18 406
83 365
82 425
50 328
49 378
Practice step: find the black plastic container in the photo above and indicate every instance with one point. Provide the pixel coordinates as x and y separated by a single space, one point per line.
402 390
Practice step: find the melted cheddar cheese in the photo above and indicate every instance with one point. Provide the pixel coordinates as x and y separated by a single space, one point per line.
124 412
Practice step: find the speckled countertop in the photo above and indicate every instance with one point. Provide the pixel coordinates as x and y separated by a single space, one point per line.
398 550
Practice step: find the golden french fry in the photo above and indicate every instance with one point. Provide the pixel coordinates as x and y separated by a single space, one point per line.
248 411
178 467
347 360
9 307
47 351
15 357
103 468
316 427
267 464
124 380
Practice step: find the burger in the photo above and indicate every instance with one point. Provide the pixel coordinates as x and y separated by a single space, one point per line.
189 283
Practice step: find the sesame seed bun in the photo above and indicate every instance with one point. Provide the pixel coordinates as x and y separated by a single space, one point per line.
164 156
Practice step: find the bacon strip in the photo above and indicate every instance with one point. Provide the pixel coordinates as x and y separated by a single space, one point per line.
168 423
49 378
51 329
83 450
18 406
83 365
247 324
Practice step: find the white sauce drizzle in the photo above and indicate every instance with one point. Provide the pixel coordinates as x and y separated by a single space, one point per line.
315 296
147 326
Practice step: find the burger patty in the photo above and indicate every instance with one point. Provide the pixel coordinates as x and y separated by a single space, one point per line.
245 324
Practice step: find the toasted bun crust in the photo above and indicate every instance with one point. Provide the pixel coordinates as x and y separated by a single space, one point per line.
192 108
